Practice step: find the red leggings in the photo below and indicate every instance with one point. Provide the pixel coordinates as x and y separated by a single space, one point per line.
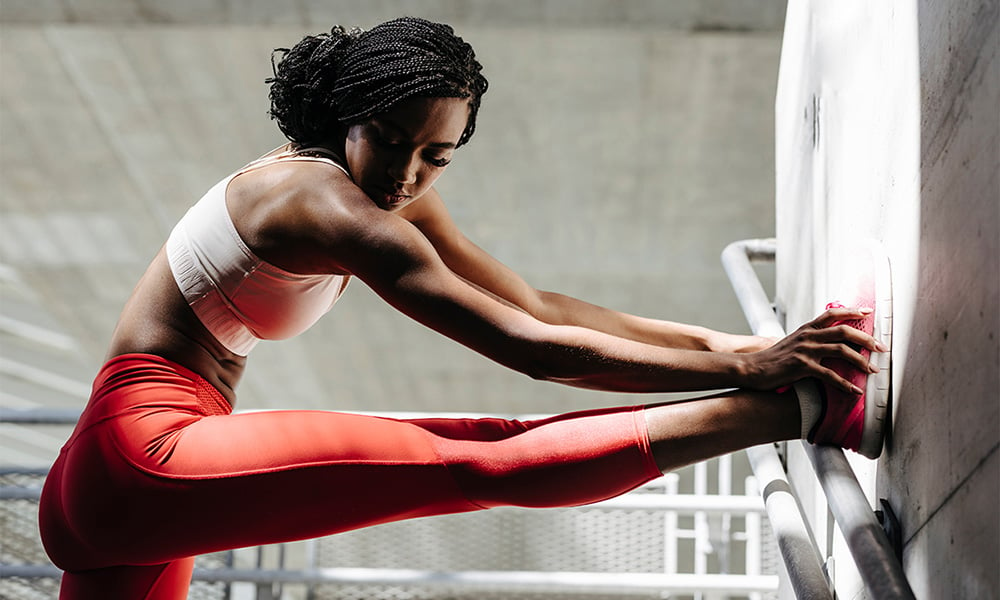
158 471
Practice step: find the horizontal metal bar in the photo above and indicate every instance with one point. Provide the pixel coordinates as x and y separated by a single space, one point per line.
15 492
533 581
30 571
40 416
19 470
686 503
877 564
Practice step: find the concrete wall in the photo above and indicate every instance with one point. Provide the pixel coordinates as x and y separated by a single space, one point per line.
609 163
612 161
887 129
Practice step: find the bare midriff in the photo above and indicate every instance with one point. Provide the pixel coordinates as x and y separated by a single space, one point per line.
157 320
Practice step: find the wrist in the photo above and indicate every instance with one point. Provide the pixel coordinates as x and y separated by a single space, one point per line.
745 370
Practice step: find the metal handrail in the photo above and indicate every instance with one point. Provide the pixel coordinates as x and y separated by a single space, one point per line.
877 564
798 548
583 583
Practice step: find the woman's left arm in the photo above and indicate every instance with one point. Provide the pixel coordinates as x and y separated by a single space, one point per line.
481 269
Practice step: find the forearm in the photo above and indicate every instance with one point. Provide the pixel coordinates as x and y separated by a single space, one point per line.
590 359
573 355
561 340
558 309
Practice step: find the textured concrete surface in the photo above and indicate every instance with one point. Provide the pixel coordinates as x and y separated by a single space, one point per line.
612 161
690 15
888 129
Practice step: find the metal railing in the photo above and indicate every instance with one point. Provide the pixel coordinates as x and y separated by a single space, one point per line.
877 564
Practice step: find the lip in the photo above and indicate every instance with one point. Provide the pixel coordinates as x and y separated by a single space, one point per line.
393 199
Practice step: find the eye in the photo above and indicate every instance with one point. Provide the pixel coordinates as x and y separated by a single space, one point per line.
439 162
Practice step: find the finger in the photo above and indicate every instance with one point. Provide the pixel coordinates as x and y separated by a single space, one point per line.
856 359
840 313
836 348
832 378
864 340
849 335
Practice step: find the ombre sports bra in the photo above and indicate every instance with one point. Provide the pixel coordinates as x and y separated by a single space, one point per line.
240 298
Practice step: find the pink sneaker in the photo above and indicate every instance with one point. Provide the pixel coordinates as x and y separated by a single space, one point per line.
857 422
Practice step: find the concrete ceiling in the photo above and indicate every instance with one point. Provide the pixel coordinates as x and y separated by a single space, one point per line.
691 15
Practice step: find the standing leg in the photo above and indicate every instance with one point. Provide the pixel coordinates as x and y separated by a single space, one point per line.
168 581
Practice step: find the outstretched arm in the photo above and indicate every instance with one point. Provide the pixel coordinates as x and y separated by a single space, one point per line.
400 263
481 269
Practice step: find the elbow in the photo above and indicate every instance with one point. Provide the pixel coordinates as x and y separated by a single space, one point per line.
534 363
547 360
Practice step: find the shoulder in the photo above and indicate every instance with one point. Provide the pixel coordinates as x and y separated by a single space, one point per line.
287 178
304 216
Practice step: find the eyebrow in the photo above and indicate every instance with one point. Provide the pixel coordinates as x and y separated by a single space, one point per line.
400 129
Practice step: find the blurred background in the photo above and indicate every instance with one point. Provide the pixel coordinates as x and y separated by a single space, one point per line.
620 147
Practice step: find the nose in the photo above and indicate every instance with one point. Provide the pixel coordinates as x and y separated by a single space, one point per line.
403 168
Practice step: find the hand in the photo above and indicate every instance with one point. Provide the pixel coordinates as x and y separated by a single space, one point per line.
798 355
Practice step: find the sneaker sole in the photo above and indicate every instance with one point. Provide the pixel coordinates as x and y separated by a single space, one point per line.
878 384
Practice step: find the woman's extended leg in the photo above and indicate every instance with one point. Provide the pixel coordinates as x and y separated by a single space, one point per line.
682 433
156 472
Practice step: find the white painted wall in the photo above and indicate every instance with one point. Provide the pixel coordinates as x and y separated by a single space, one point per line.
887 129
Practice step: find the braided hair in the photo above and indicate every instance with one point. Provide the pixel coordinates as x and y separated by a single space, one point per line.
330 81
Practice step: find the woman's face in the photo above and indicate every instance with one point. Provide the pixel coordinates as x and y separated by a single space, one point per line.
397 156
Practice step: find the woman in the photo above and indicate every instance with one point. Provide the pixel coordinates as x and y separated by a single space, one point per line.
158 470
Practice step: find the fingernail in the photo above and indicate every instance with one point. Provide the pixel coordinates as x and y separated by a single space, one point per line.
873 368
858 390
881 347
866 311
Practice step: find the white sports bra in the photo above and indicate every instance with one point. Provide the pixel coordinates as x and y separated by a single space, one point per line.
240 298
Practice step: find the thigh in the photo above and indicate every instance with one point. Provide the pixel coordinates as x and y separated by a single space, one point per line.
147 490
157 485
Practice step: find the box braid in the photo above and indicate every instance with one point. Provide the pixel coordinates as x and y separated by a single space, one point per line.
332 80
